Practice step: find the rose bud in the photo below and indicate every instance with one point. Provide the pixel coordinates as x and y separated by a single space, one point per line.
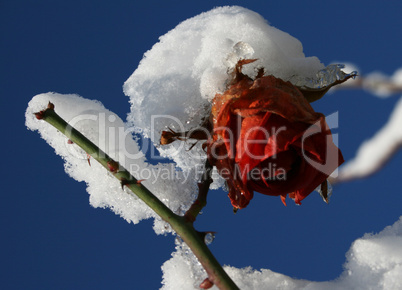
267 138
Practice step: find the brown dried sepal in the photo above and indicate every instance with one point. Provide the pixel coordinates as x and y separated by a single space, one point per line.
236 75
168 137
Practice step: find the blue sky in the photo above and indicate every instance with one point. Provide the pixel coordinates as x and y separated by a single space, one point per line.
52 238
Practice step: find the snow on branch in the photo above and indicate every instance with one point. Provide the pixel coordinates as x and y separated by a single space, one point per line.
375 152
373 262
376 83
106 130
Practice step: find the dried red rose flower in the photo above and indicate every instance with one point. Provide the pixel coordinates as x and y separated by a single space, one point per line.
267 138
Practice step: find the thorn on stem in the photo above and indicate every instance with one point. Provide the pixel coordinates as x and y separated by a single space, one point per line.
113 166
206 284
88 157
39 115
125 182
50 106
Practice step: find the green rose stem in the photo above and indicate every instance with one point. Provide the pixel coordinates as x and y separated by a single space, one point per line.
182 225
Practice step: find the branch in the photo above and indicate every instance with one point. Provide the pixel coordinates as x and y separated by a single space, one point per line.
372 85
180 224
203 188
375 152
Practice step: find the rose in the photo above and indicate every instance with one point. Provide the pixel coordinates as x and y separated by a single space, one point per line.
267 138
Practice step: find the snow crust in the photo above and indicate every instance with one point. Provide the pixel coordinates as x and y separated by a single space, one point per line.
372 262
108 132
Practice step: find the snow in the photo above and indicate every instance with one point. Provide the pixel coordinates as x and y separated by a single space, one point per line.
396 78
376 83
107 130
382 85
372 262
182 271
375 152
